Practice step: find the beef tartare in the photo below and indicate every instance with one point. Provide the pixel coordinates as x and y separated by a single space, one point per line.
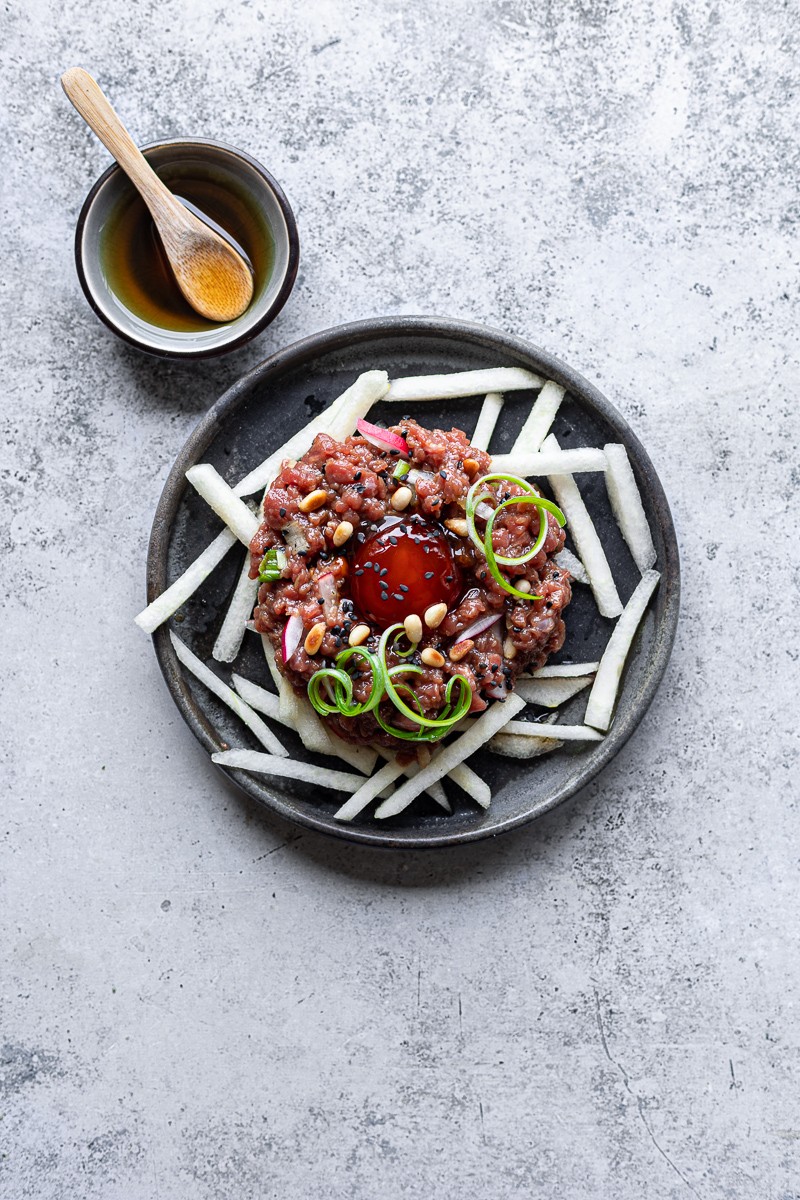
395 565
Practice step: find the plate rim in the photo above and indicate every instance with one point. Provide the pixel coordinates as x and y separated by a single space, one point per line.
346 336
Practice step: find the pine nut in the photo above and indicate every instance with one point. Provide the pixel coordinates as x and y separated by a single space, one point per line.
359 635
458 525
342 532
460 649
313 500
314 637
509 649
435 615
431 657
413 628
524 585
471 466
402 498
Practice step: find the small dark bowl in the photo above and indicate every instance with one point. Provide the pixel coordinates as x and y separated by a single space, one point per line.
230 167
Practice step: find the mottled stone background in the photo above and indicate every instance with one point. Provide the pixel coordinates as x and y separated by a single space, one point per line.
201 1004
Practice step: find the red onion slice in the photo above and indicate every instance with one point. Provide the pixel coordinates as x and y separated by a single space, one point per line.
292 633
383 439
478 627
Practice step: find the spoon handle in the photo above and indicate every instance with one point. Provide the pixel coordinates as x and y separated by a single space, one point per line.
88 98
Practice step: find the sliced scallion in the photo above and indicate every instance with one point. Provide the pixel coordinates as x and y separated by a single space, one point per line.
475 497
271 566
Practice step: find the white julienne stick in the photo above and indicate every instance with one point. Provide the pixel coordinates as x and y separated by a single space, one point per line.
462 383
539 420
626 503
566 670
487 419
284 688
267 764
561 462
565 733
471 783
372 788
226 504
435 791
584 534
487 724
228 696
604 692
550 693
240 610
512 746
186 584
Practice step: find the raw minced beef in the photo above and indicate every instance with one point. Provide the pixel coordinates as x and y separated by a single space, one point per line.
316 584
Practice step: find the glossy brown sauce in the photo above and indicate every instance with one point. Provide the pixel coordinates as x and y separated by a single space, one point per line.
136 267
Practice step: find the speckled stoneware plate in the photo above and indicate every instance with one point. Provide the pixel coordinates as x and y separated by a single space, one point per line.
258 414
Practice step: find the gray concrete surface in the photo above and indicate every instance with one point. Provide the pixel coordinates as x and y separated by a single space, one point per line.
198 1002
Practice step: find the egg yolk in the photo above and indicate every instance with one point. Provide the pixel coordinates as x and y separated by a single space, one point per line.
403 568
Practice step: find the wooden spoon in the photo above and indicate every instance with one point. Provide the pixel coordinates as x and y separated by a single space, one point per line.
213 277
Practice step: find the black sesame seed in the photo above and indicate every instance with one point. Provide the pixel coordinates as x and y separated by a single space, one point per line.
397 595
357 476
403 587
449 578
393 540
377 567
443 474
428 575
359 571
337 641
282 511
384 571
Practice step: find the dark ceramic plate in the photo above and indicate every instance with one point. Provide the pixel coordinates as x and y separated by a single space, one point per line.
259 413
